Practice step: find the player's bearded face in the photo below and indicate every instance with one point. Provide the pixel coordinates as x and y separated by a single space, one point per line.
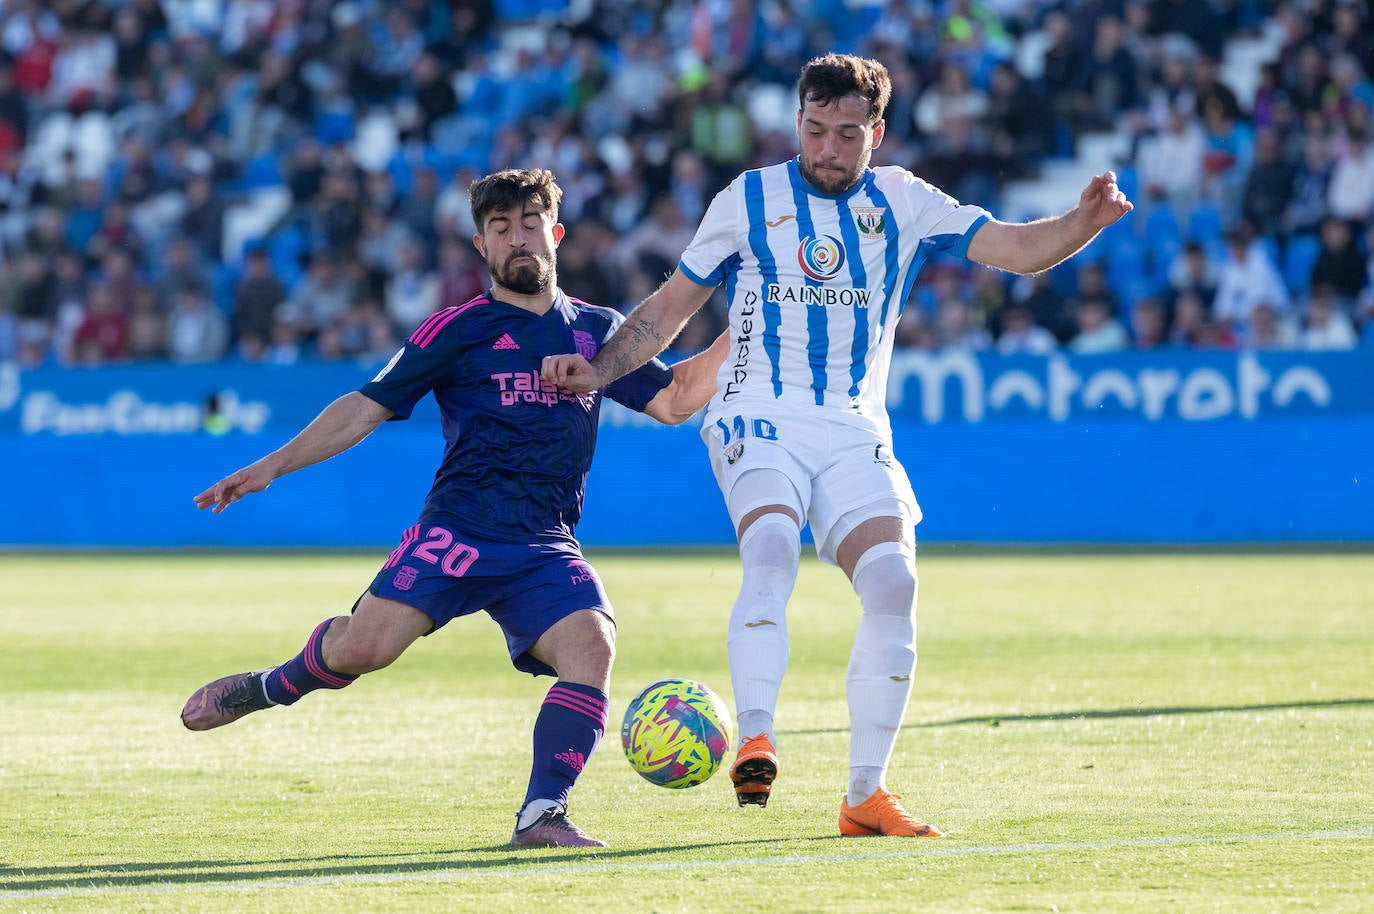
525 272
837 142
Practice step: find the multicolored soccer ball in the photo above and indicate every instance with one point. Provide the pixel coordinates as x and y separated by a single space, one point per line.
676 733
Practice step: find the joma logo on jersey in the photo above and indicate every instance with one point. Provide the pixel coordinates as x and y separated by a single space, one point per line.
818 295
527 387
821 258
871 221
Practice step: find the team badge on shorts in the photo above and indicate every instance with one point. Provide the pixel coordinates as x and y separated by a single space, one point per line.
405 578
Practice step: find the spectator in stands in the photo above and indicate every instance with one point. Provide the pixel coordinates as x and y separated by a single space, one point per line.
163 105
10 336
1063 66
1171 161
1149 324
1325 324
284 344
657 245
197 331
952 103
1020 333
367 333
1229 153
381 241
955 327
1209 91
1107 89
1092 283
14 112
102 337
181 267
1048 306
321 297
257 296
1247 277
1021 134
1307 207
1351 35
1268 329
1364 307
1098 328
147 326
203 217
1192 271
1193 326
1351 192
412 293
1339 265
416 208
1269 186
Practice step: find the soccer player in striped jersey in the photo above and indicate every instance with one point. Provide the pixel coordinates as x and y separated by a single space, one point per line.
818 255
497 532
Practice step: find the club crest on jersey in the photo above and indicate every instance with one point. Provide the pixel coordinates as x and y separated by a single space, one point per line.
871 221
821 258
585 344
734 453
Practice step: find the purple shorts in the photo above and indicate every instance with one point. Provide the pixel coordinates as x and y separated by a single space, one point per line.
526 588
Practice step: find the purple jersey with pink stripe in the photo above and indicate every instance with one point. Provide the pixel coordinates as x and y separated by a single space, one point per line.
518 448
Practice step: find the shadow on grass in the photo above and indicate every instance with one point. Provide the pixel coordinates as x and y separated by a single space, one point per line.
998 719
84 879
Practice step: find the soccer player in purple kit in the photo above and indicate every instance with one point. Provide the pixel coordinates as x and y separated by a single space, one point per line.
497 532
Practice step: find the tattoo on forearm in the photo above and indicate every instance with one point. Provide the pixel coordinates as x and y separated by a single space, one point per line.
622 353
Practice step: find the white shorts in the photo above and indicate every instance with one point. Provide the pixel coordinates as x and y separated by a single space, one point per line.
834 475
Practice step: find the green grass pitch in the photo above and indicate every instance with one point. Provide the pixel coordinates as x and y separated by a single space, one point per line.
1110 732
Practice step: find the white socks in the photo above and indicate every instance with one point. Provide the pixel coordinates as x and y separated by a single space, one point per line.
533 810
878 682
757 645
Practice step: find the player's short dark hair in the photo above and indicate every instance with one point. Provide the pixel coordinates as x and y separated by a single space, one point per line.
833 76
514 187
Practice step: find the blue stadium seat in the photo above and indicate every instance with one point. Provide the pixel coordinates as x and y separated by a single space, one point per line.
1204 224
1128 181
1161 256
1298 261
222 279
1161 224
263 171
287 250
334 126
1126 267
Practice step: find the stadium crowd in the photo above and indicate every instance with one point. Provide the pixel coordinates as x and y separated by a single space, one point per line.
276 180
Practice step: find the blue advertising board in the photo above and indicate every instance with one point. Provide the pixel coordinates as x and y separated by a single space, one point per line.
1178 447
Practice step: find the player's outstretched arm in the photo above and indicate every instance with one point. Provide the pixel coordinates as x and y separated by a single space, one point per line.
1039 245
694 384
648 330
342 424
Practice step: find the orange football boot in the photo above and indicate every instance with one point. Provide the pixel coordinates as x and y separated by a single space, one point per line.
756 765
881 814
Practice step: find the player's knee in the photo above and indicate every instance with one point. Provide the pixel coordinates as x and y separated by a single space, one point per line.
581 648
353 653
886 582
770 555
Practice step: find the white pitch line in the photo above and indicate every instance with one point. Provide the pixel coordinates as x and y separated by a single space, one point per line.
602 866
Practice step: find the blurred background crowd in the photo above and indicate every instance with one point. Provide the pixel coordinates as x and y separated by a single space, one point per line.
279 180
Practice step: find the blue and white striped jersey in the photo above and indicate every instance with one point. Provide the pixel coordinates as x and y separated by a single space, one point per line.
816 282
